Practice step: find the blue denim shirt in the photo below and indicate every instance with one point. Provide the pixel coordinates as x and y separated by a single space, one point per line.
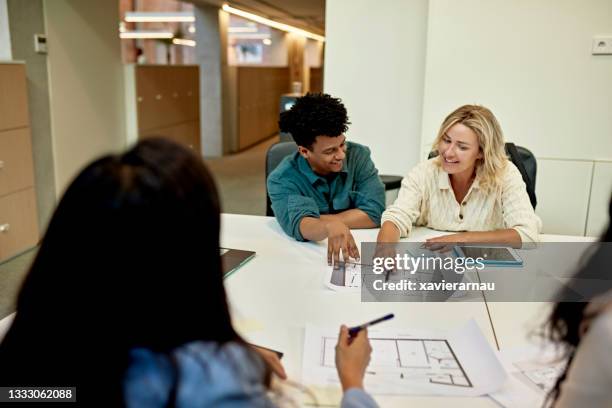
206 375
297 192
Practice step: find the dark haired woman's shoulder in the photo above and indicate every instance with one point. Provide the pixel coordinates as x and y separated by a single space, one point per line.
199 374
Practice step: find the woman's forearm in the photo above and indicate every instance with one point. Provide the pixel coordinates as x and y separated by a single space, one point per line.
388 233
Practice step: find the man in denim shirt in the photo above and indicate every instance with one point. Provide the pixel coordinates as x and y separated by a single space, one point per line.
329 185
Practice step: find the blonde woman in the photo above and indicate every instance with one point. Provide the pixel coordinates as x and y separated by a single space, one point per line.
470 188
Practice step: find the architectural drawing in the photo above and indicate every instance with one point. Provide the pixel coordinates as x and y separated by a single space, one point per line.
431 360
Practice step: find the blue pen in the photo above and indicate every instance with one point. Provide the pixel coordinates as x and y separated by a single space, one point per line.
354 330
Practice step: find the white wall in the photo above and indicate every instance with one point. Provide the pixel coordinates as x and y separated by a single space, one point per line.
531 63
5 34
375 62
85 83
313 53
402 66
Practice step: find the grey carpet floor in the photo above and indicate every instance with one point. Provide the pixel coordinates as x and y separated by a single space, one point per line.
241 183
241 179
12 273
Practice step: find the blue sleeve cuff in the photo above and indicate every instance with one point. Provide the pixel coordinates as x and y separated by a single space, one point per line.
357 398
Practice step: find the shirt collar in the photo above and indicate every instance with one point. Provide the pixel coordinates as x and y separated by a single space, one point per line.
444 180
305 169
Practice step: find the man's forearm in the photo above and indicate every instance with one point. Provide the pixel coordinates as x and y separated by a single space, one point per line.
353 218
313 229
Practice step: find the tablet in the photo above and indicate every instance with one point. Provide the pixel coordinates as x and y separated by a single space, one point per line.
232 259
491 255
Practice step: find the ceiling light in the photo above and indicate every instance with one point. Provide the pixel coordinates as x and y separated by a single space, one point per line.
146 34
156 16
242 29
267 41
271 23
182 41
255 36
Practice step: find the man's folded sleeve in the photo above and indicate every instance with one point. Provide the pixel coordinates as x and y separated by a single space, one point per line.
290 207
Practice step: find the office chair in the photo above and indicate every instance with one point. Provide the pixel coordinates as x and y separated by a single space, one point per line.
278 151
526 163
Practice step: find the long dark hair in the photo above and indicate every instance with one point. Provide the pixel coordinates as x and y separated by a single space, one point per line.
563 326
130 259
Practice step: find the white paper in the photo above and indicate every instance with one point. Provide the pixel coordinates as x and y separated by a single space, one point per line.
516 394
412 362
346 278
533 373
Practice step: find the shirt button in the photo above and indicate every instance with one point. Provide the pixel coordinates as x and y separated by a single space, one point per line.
460 216
464 203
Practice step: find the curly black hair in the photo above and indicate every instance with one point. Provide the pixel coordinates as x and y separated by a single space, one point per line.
314 114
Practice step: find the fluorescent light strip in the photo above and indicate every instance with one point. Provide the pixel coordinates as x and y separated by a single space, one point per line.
155 16
256 36
182 41
146 34
242 29
271 23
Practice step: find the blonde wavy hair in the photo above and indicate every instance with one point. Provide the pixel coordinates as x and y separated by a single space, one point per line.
490 141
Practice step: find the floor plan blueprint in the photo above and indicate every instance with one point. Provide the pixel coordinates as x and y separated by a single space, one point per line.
403 362
433 359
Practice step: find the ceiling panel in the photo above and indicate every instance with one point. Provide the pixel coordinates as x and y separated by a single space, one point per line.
306 14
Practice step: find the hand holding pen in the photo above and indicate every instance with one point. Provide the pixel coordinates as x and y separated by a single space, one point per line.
354 330
353 353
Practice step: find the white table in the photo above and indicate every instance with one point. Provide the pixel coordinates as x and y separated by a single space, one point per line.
518 323
274 295
278 292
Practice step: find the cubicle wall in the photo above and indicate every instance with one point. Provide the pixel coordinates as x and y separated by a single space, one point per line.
18 215
168 103
259 90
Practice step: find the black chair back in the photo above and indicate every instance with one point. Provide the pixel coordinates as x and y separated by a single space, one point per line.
276 153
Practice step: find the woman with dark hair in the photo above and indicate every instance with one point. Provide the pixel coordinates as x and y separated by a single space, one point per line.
585 332
125 298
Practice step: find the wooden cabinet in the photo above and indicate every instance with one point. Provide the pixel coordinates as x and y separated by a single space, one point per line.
168 103
18 215
18 225
16 166
13 97
259 93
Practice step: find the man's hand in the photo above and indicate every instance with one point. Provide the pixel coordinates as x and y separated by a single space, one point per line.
352 358
340 239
